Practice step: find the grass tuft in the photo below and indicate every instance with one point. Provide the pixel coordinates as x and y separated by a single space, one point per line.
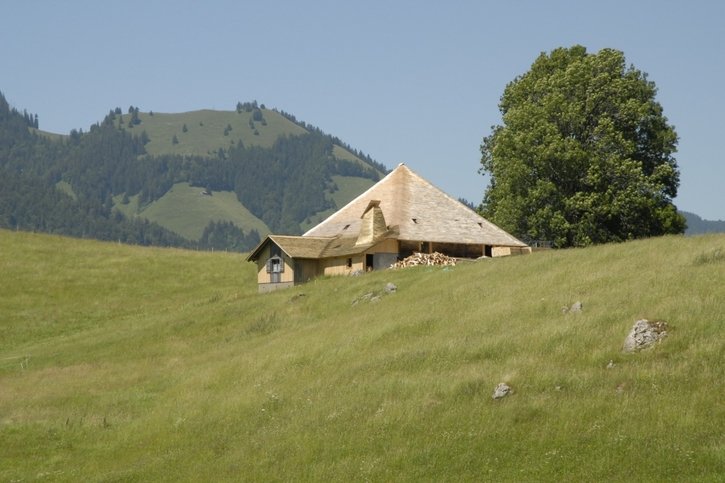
264 325
716 255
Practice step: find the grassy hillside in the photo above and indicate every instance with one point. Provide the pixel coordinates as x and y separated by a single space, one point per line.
203 133
208 130
184 210
128 363
205 130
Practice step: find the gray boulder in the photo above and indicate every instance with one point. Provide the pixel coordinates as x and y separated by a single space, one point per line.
575 308
644 334
501 391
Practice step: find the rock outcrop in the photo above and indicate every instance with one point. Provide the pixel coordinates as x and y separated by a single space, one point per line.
501 391
644 334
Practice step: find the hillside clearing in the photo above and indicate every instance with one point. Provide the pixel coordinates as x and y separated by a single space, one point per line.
208 130
184 210
128 363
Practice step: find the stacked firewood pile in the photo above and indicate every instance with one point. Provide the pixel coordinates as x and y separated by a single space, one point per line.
416 259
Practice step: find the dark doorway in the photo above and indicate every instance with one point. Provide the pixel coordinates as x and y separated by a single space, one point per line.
368 262
487 250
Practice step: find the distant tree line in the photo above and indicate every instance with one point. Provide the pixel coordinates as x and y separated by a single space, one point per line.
225 235
696 225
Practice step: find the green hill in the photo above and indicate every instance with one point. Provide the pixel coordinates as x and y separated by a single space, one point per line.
207 130
204 132
139 364
186 211
134 176
207 133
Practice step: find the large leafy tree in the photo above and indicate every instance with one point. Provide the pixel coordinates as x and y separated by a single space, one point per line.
584 155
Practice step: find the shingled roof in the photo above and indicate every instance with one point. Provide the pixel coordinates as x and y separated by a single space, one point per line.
418 211
314 246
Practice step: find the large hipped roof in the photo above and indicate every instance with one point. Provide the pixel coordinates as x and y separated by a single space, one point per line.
419 211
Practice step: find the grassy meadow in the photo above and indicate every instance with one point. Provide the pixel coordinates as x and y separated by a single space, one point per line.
205 130
184 210
121 363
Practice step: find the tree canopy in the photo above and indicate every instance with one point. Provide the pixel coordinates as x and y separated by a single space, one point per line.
584 154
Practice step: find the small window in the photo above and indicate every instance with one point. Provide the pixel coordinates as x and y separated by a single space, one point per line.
415 220
346 227
275 265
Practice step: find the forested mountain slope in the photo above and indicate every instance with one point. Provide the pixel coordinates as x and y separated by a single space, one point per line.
122 179
31 165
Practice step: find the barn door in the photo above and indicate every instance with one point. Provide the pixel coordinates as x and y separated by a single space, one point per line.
369 262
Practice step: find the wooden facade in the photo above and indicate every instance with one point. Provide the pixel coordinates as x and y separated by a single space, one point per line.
276 268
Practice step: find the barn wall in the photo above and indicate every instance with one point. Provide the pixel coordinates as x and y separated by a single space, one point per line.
305 270
263 277
385 246
501 251
338 266
506 251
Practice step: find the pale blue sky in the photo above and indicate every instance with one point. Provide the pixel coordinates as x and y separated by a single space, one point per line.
404 81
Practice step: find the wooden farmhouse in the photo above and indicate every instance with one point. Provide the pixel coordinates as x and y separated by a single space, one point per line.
401 214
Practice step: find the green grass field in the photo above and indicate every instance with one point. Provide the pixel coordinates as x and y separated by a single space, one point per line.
122 363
